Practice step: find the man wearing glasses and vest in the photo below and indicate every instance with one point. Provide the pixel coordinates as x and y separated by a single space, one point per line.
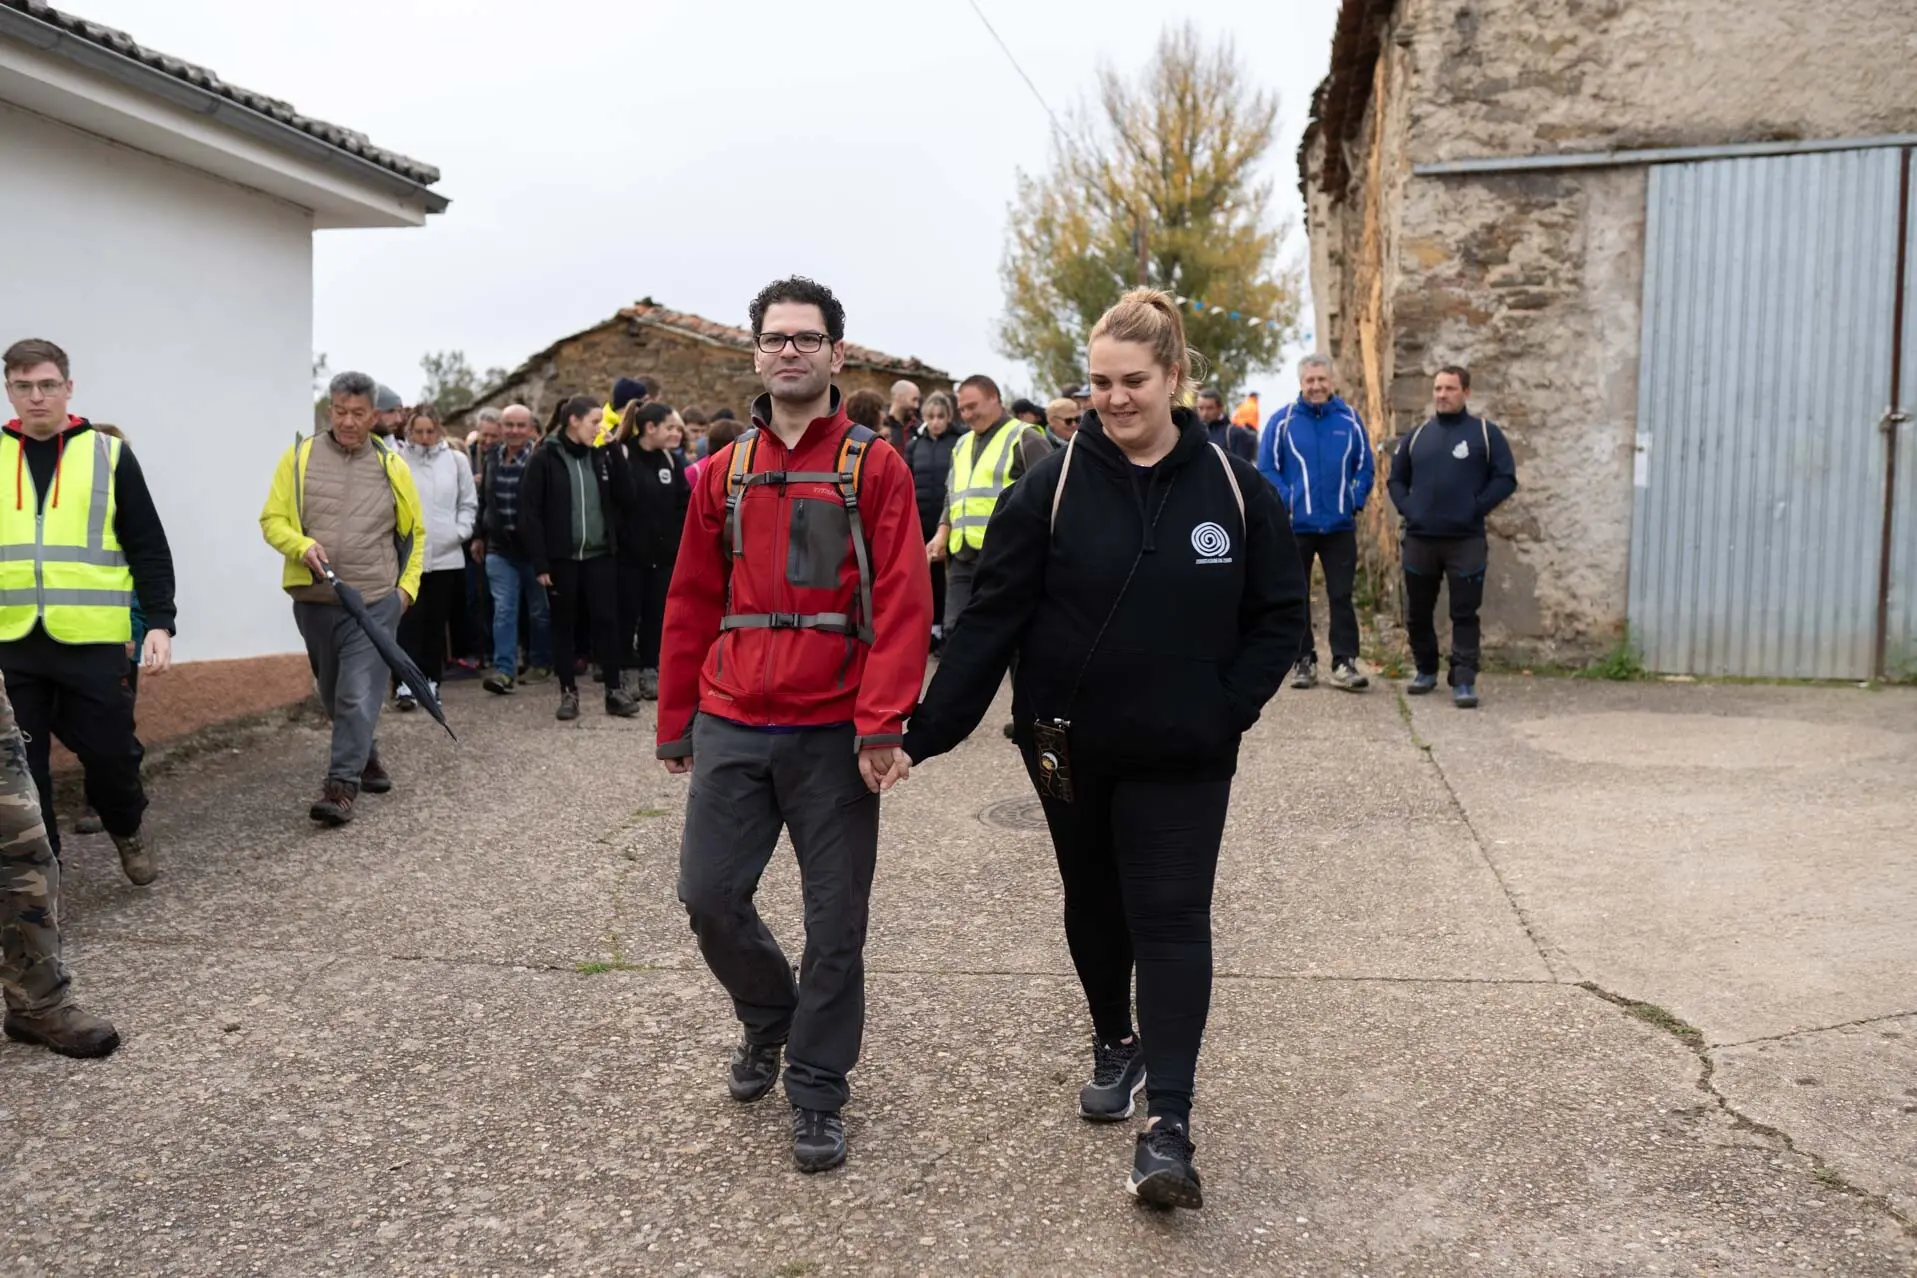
996 450
794 648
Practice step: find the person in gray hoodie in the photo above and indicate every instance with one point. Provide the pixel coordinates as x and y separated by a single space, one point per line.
451 505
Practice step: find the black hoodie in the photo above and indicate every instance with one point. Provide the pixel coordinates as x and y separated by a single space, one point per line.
1210 622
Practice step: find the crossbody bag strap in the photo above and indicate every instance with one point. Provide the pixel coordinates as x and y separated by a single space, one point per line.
1237 493
1058 493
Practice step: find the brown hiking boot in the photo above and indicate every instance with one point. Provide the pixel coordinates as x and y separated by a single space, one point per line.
136 857
65 1029
373 778
335 805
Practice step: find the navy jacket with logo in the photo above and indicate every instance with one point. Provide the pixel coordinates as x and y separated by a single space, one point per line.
1448 474
1211 618
1318 457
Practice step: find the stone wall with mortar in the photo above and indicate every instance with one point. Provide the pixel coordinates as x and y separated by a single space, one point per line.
1534 281
691 372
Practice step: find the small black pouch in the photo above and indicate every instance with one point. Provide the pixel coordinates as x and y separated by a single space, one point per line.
1052 746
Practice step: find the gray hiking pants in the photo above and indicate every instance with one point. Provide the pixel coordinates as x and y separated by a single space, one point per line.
352 677
745 786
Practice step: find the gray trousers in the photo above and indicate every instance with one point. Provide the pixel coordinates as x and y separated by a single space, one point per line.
958 590
745 786
352 678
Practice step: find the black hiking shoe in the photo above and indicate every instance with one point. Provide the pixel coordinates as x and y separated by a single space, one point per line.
568 707
818 1139
1465 696
1346 677
1118 1075
754 1070
1421 684
1305 673
335 805
373 778
1162 1171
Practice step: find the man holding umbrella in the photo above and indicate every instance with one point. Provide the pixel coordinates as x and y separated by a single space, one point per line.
343 505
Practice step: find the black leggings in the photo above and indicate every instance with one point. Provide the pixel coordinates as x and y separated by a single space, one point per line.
591 586
642 595
422 631
1138 859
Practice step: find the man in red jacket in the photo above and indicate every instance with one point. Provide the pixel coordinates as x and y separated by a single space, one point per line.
794 649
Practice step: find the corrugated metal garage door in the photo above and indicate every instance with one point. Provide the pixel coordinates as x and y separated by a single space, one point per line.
1769 297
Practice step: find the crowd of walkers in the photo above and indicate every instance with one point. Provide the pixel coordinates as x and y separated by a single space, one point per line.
1136 560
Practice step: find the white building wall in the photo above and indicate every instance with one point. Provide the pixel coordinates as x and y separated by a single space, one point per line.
185 303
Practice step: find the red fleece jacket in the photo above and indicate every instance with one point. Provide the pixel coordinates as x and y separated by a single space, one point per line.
793 544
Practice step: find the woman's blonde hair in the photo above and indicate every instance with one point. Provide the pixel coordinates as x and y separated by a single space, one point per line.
1151 317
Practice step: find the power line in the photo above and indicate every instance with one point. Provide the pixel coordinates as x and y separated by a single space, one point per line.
997 39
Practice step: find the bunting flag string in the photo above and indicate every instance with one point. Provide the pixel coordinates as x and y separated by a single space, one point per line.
1200 307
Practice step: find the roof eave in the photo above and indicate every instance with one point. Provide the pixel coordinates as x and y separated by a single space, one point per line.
137 75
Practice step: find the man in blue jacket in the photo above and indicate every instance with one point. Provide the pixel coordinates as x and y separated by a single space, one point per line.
1446 476
1316 454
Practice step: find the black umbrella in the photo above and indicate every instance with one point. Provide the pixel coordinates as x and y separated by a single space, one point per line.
403 666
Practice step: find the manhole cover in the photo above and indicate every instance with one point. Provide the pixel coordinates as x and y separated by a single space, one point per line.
1014 814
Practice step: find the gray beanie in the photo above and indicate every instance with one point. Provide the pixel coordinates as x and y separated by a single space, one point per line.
387 400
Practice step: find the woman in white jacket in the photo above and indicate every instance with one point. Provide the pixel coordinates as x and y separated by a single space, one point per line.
445 481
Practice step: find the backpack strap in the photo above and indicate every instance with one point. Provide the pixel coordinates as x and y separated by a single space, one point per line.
853 448
1238 494
1064 469
299 486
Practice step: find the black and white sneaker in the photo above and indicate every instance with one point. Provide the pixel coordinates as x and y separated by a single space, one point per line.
755 1068
1162 1171
1118 1075
1305 673
818 1139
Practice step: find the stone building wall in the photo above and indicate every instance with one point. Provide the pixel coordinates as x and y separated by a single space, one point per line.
691 371
1534 281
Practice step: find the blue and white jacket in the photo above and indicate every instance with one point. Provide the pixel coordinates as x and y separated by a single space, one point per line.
1318 457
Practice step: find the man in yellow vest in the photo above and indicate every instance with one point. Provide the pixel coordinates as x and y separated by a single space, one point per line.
79 543
995 451
346 502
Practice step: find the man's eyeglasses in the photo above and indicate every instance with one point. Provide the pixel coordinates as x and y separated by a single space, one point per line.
804 343
46 390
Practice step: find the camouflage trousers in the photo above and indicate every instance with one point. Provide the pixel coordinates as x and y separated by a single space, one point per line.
30 968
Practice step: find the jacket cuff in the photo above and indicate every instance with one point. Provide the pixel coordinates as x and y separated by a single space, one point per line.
680 749
877 741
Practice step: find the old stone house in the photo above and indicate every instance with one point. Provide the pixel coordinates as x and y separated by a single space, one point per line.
697 362
1672 241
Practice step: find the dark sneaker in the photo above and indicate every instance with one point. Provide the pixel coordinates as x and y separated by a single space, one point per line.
335 805
1162 1172
1465 696
373 778
498 681
1118 1075
66 1030
1346 676
538 674
1305 673
755 1068
648 685
404 700
1011 730
136 857
1421 684
818 1139
568 706
89 822
621 704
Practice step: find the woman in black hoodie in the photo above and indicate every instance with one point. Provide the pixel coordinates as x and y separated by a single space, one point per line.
569 504
1148 586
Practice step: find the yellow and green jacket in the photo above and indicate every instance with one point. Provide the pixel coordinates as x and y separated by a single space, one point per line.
280 517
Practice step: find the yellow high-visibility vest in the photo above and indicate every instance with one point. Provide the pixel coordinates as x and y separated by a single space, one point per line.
61 564
979 477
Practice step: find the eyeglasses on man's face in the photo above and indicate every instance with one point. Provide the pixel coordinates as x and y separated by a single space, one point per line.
805 343
29 390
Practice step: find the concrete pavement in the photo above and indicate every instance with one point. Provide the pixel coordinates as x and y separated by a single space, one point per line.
471 1034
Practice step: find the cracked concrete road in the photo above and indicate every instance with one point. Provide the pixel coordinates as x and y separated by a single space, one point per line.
471 1034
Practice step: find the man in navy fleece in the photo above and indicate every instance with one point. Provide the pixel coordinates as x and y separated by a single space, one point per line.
1316 454
1446 476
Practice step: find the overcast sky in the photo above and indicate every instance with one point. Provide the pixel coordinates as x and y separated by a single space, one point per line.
599 151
